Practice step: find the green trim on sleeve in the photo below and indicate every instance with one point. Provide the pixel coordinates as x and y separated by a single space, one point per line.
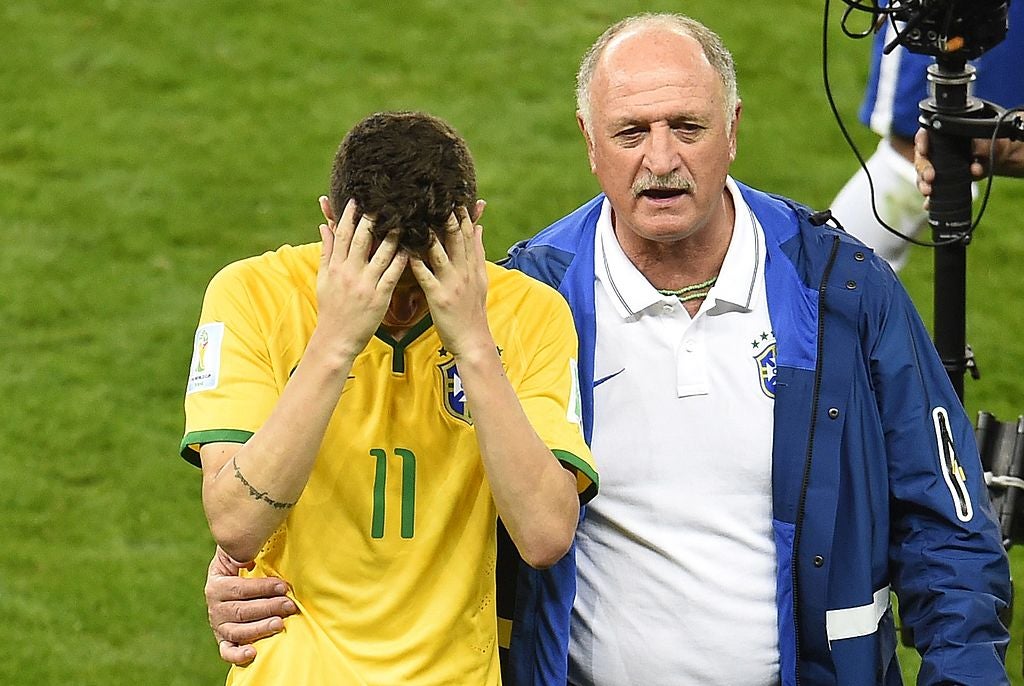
586 476
198 438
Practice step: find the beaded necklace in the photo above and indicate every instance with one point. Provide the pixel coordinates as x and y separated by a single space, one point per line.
697 291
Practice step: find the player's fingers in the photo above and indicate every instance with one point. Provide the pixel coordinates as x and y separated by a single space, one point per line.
389 278
471 237
437 255
362 239
327 249
236 654
478 209
477 244
426 278
455 238
385 253
325 208
465 221
345 229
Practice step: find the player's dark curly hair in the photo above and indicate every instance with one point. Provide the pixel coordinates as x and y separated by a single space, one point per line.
407 170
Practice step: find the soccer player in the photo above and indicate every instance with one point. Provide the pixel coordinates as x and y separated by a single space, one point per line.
365 408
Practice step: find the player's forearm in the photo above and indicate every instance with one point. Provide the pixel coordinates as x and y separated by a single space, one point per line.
247 496
535 496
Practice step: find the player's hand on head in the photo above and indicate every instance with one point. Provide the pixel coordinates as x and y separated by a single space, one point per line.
356 277
455 285
243 610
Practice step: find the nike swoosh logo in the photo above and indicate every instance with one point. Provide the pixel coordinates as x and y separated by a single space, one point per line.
598 382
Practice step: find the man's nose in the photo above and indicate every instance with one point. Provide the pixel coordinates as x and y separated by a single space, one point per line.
662 155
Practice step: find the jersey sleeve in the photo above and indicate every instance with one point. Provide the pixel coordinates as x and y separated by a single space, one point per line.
550 391
231 385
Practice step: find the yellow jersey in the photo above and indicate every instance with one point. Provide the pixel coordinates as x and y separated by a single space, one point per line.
390 550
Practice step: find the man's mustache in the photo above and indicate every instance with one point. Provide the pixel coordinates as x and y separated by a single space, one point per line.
673 181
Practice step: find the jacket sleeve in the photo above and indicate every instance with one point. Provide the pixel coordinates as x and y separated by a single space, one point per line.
950 571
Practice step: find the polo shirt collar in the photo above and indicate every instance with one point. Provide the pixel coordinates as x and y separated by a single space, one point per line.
631 293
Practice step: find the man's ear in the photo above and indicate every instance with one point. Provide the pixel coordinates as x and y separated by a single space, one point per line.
590 143
735 125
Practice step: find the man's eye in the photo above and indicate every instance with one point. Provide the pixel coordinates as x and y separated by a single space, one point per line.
689 128
629 134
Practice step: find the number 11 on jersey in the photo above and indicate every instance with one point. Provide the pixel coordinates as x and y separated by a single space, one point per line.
408 491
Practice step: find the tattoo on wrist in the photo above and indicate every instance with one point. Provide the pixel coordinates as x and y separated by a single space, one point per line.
257 494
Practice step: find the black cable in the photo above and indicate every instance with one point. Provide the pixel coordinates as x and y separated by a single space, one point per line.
992 159
877 13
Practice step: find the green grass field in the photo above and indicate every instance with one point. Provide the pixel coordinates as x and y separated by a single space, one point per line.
146 144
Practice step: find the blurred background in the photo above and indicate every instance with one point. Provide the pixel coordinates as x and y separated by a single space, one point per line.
146 144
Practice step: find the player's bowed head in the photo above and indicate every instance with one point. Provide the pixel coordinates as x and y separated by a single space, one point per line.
409 171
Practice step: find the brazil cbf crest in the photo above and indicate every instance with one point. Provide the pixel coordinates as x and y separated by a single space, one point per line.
452 392
764 356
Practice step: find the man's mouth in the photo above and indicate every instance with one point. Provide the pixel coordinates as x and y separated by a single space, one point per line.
662 193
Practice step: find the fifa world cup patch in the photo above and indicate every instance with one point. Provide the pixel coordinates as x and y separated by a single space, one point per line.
764 356
204 371
452 391
952 471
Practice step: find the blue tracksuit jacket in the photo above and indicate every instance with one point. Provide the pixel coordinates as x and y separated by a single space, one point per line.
876 479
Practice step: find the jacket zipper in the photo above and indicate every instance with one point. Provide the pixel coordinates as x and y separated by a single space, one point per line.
801 507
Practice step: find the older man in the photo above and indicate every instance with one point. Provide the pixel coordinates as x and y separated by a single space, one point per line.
780 445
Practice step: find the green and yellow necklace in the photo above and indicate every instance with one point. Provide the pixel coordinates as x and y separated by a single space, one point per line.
697 291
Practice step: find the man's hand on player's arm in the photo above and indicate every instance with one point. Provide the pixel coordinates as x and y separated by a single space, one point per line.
243 610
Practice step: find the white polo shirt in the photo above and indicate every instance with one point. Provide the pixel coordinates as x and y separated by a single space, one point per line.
676 559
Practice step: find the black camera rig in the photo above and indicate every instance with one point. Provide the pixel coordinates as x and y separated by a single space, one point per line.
964 29
954 32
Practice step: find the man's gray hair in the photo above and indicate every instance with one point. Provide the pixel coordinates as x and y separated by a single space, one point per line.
714 49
